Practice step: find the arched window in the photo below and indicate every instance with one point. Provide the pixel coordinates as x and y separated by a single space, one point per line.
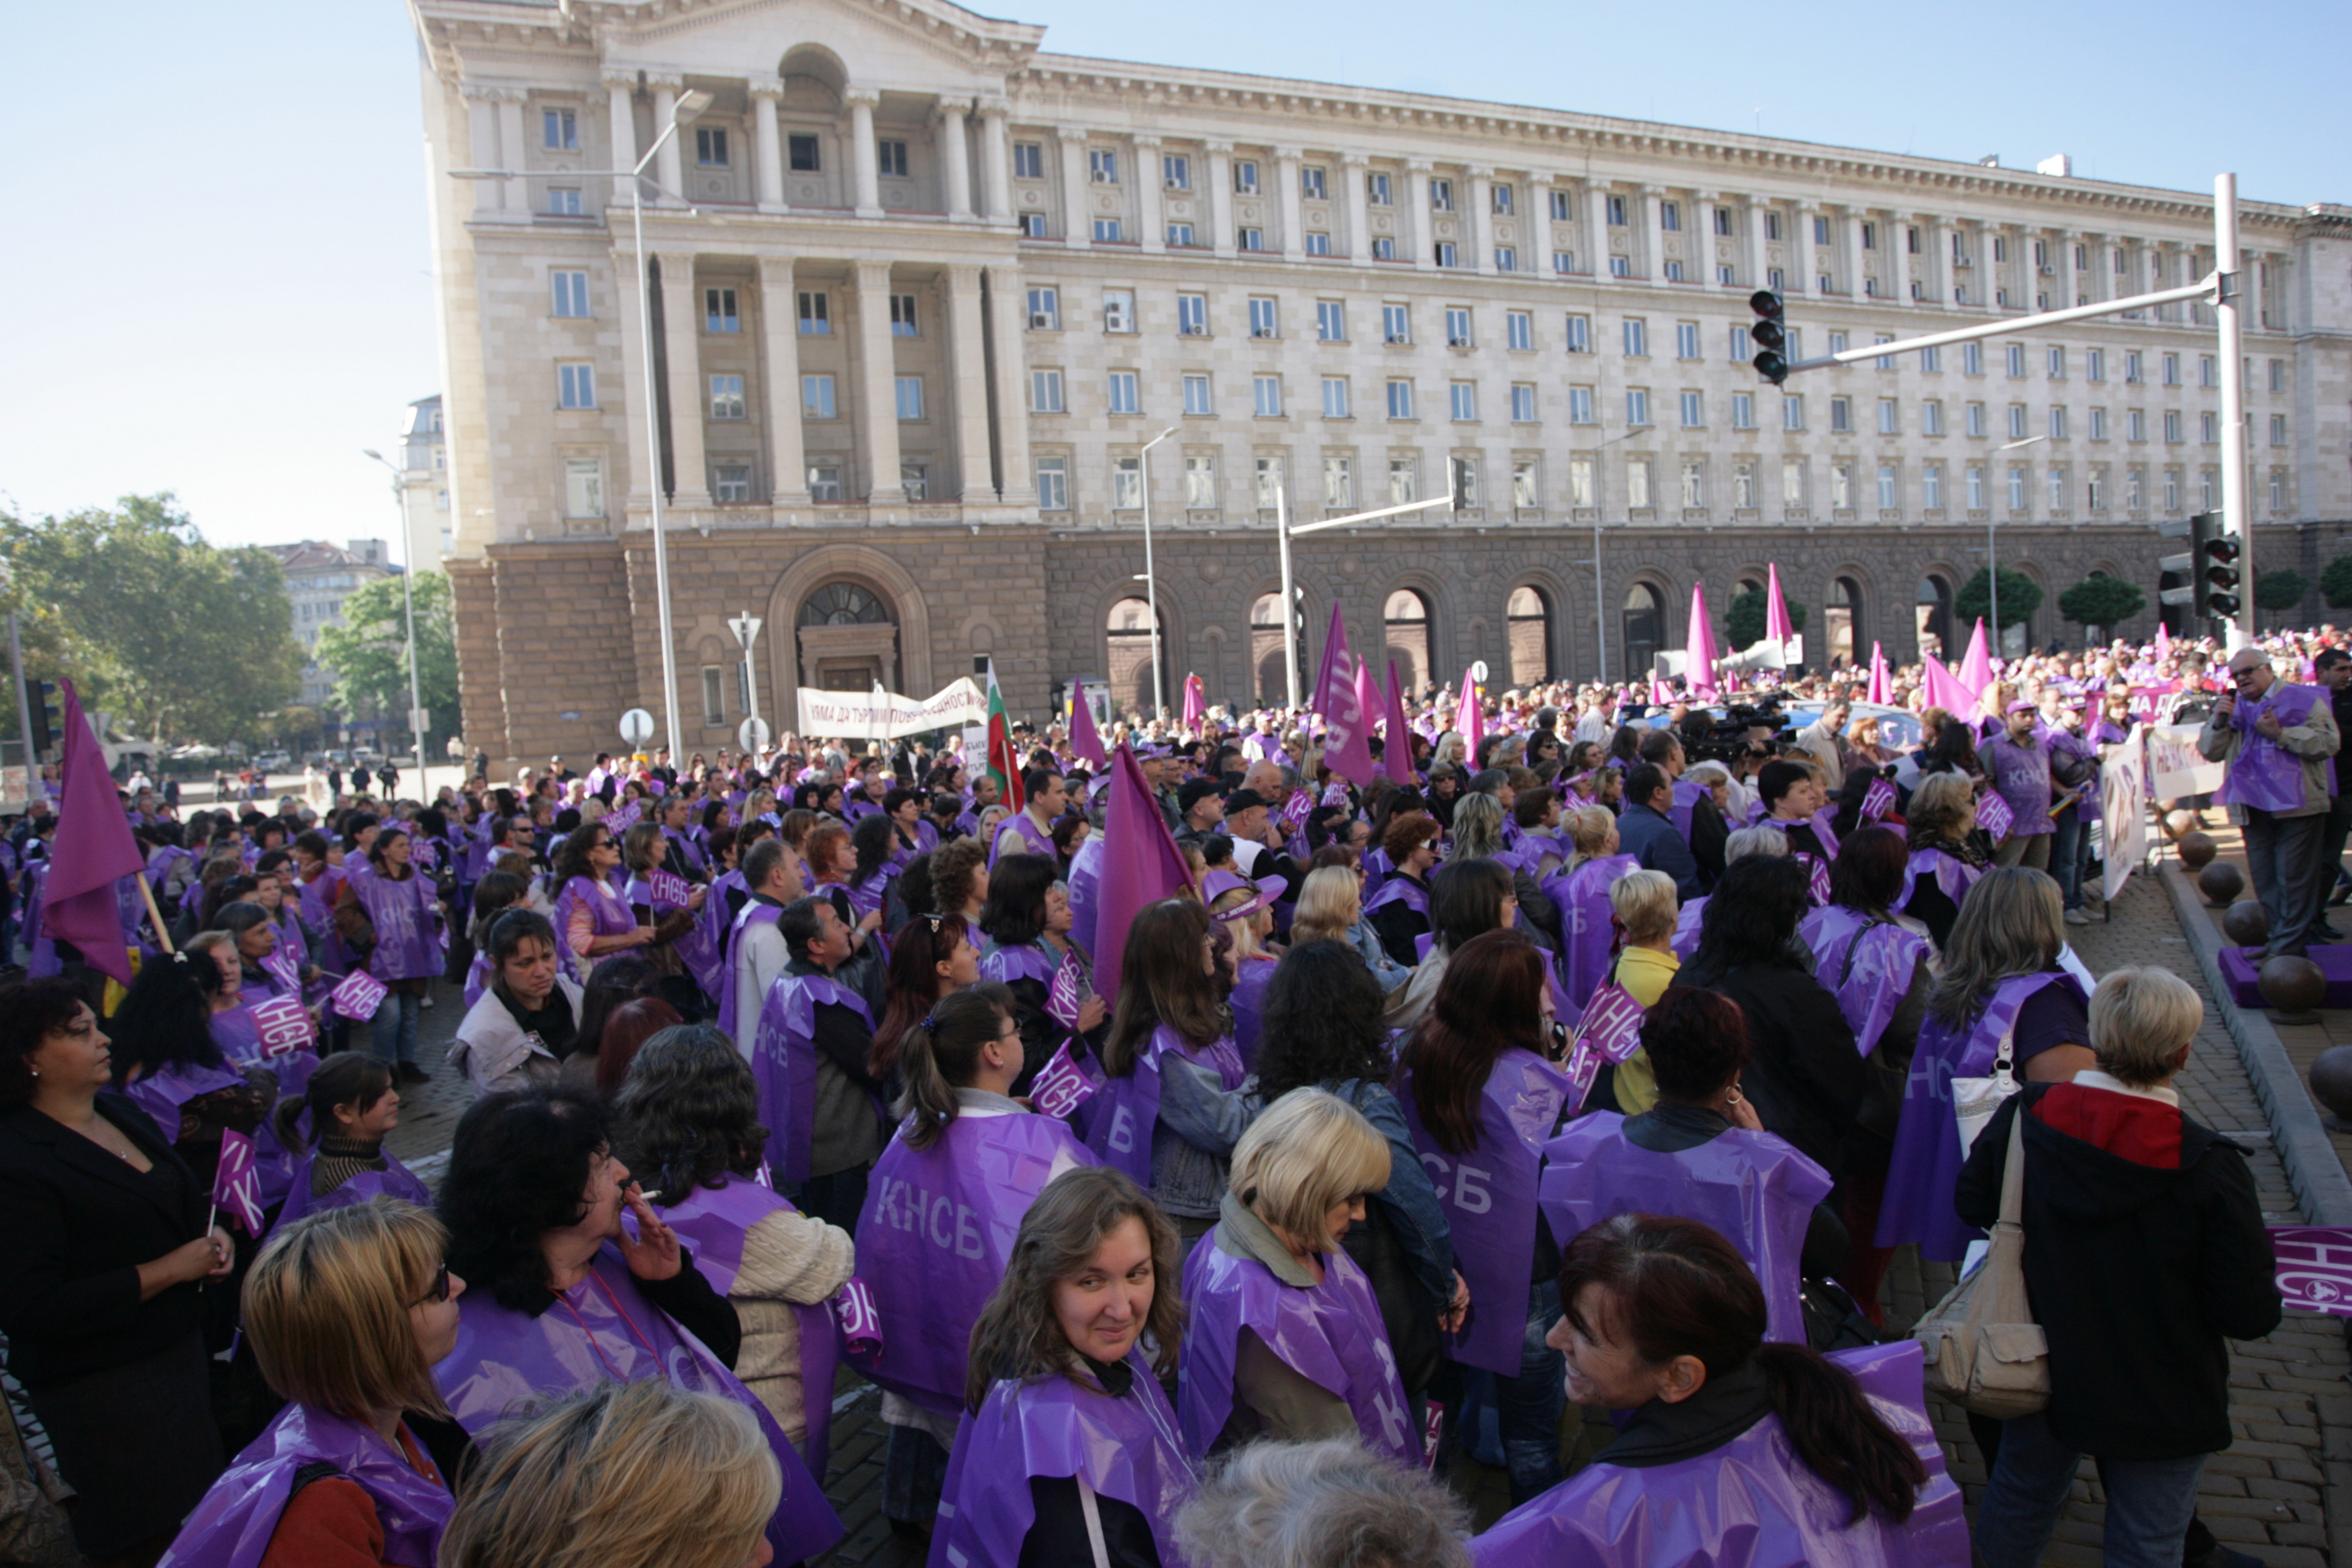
1129 663
1844 619
1934 622
1405 619
1644 630
847 639
1266 652
842 605
1529 614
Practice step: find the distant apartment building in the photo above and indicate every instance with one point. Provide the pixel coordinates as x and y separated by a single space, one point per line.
319 577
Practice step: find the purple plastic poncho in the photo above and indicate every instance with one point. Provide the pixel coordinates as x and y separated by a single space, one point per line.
2266 775
784 1059
1127 1109
694 949
1330 1334
1248 1004
607 916
1952 874
1398 889
1753 1188
1085 891
395 1181
1867 963
1925 1169
233 1526
1750 1503
605 1328
714 1221
407 938
1489 1196
935 1235
1026 837
1587 936
1124 1449
1022 960
757 913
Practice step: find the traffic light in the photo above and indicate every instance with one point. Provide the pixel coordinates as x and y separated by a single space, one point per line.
45 719
2215 569
1770 334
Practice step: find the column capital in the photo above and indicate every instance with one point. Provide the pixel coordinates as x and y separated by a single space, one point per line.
674 81
963 277
871 275
1419 165
1288 154
1481 171
1540 177
1355 160
946 106
1143 140
619 76
1649 190
1750 203
1219 145
492 92
768 86
868 97
1711 198
775 271
1071 133
678 265
998 107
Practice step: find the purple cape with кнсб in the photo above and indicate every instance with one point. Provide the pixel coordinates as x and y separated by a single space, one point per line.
1330 1334
1753 1189
605 1328
607 916
1006 963
1925 1169
1127 1109
1124 1449
233 1526
1866 962
784 1059
408 945
1751 1503
693 946
395 1181
935 1235
758 911
1489 1196
715 1221
2266 775
1248 1004
1587 935
1952 874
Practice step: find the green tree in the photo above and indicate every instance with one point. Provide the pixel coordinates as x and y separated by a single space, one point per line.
2020 595
1743 618
182 641
369 653
2100 600
2280 590
2336 583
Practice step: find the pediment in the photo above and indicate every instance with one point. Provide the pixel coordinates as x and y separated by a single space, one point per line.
920 45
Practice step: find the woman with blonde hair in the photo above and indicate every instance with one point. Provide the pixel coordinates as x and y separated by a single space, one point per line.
1580 894
1330 905
1067 1451
1642 904
621 1475
347 1310
1245 910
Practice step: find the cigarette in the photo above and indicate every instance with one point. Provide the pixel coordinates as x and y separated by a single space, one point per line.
649 1196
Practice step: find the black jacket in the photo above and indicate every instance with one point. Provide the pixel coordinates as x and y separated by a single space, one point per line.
80 1223
1805 1078
2137 1276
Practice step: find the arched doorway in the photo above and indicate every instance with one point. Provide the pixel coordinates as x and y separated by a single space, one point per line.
1129 666
848 639
1844 618
1644 627
1933 621
1272 689
1405 620
1528 614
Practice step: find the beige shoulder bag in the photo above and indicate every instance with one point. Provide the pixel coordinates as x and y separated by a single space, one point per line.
1984 1350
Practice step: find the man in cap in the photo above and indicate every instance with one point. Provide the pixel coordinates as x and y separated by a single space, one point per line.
2279 741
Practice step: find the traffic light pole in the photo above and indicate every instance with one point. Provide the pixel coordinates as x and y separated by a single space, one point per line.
33 788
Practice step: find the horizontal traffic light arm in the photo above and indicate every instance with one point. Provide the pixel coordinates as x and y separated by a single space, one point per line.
2207 291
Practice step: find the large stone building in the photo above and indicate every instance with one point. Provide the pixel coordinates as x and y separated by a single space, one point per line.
319 577
922 293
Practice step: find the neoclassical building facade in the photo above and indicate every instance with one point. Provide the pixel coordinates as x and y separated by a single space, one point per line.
937 316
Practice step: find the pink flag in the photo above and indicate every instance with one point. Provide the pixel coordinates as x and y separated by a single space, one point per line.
1942 689
2163 642
1347 708
236 1188
1659 695
1776 609
1398 756
1067 995
1976 669
1699 650
1196 702
1062 1086
1882 685
359 997
1470 718
92 851
282 1025
1995 817
1335 656
1140 866
861 1325
1085 743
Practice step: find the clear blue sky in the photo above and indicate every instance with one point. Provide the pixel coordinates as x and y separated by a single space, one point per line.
218 279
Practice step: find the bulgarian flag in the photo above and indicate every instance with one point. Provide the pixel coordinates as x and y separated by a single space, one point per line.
1003 764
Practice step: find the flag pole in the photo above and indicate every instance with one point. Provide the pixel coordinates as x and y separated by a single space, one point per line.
155 913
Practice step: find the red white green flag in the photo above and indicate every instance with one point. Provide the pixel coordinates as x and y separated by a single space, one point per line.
1003 761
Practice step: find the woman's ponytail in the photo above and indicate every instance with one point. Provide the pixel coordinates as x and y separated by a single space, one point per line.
941 1054
348 1078
287 1120
1838 1434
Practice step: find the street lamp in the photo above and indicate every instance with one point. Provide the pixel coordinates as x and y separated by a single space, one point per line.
688 106
1150 577
1600 515
416 715
1993 561
1284 533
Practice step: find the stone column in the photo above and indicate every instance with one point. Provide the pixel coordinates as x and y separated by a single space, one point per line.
1753 213
1077 215
670 167
877 385
1482 218
1220 198
1007 317
768 92
1536 221
780 343
1802 278
1939 259
1419 222
516 194
2103 260
995 172
1857 261
689 470
955 160
864 157
1653 230
1293 209
1354 168
968 360
1898 238
621 89
1596 228
1148 177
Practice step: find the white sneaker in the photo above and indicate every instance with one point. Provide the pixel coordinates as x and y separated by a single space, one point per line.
2077 918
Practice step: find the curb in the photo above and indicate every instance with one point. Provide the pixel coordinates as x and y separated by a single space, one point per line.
2313 1169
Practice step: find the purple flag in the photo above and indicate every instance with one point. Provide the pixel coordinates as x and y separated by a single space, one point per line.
1085 743
1399 758
359 997
1881 683
1610 1023
1335 659
861 1325
2314 1268
1067 993
1196 702
619 821
236 1188
1582 1068
1140 866
1062 1087
1944 690
1994 816
1877 800
92 852
283 1024
1470 718
669 887
1346 716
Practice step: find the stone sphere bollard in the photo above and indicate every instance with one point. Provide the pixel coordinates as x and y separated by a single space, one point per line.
2294 986
2196 848
2247 923
2179 825
2331 1085
2220 882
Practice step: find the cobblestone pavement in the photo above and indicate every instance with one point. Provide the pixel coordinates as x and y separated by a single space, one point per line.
2291 1411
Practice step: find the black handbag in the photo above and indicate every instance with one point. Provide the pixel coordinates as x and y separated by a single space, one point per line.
1406 1309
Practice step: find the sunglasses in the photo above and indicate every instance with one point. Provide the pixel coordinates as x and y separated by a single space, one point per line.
440 1290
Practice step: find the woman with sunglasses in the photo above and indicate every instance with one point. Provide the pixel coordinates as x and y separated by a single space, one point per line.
348 1309
591 914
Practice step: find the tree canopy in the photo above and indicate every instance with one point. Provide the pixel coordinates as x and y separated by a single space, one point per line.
2280 590
1744 618
2020 595
2100 601
2336 583
369 653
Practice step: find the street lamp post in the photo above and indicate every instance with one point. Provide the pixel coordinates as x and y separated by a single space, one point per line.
416 715
1600 515
1150 576
1992 561
1284 533
746 627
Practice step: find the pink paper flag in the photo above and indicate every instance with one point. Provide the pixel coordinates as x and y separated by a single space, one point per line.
1067 993
1196 702
669 887
1994 816
1610 1023
1877 800
237 1190
1943 689
619 821
1976 667
359 997
1583 1066
1699 650
1062 1086
1297 810
283 1024
2314 1268
861 1325
1777 625
1140 866
1397 757
1818 878
1881 683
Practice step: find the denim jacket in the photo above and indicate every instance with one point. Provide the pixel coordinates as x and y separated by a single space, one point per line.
1367 943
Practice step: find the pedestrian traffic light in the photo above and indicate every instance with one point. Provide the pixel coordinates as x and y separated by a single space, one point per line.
45 719
1770 334
2215 568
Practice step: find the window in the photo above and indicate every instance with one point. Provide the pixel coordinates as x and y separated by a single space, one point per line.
1270 486
2098 428
1637 482
1674 271
1045 392
911 397
559 130
575 385
1376 189
1448 255
1869 236
1196 395
1743 347
2209 427
2278 429
1245 177
1890 417
2094 364
1523 404
727 397
1743 486
1028 160
1317 243
1883 362
1102 166
1838 342
1200 482
816 314
1526 491
2135 424
1792 411
2132 375
1251 239
714 695
1889 488
1053 484
571 291
583 487
1580 405
2205 490
2016 490
2172 426
730 483
2057 363
1820 231
1503 202
1637 338
1931 361
1976 420
2205 371
1118 310
1335 397
2278 375
1192 315
1264 319
2136 489
1441 196
1463 398
2172 370
2017 421
1464 474
1931 488
2015 357
2058 488
1743 411
1331 322
804 158
1125 395
1107 231
1126 484
1176 172
1686 339
1383 248
1792 481
902 316
1693 410
1180 234
1670 216
1972 359
816 397
562 202
1976 490
1266 395
710 146
1616 213
1842 416
1580 482
1619 266
1032 225
1457 327
1637 406
1404 478
1842 486
1507 258
915 480
1044 309
1399 399
1311 184
1338 483
1396 324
